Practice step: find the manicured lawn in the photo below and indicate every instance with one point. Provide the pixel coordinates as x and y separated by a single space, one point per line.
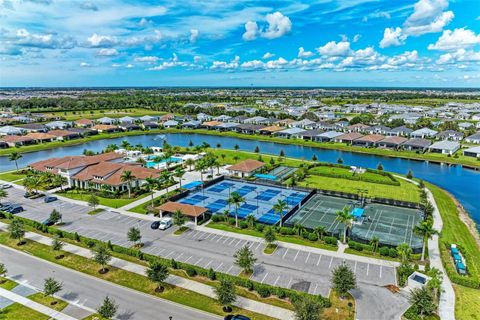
125 278
112 203
255 233
47 301
17 311
467 303
340 308
8 284
406 191
269 249
12 176
112 113
180 230
95 211
345 173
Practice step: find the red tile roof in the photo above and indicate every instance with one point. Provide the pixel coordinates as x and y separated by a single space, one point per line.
248 165
186 209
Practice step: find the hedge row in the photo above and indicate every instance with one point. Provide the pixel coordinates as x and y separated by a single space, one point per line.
466 281
263 290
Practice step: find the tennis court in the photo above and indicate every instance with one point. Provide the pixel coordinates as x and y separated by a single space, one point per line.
278 174
259 199
392 225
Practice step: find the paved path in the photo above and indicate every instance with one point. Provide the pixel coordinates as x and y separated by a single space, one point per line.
191 285
446 305
34 305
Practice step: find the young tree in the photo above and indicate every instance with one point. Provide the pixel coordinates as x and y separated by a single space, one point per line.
307 308
298 228
343 280
157 272
15 156
314 157
380 166
426 230
226 294
410 174
344 217
134 235
179 218
59 180
102 256
179 172
374 242
128 177
250 219
269 236
245 259
320 231
108 309
3 271
55 216
237 200
422 300
279 208
404 251
17 231
257 149
93 201
51 287
57 245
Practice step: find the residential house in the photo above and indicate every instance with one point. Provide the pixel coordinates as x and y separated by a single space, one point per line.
148 118
33 127
399 131
147 125
16 141
193 124
474 138
106 128
58 125
167 117
290 132
64 134
450 135
368 140
255 120
416 144
423 133
41 137
472 152
378 129
129 126
170 124
304 124
249 128
309 134
83 123
10 131
127 120
211 125
226 126
348 137
358 127
392 142
84 132
327 136
271 130
444 147
106 120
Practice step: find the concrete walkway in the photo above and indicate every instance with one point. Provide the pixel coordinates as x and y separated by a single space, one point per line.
446 307
251 305
34 305
299 247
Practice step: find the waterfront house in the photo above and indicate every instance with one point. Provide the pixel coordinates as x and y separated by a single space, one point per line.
450 135
58 125
472 152
10 131
444 147
64 134
16 141
392 142
416 144
33 127
170 124
399 131
106 120
348 137
327 136
83 123
368 140
192 124
474 138
288 133
423 133
106 128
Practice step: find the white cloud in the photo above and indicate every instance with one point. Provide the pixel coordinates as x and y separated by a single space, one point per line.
107 52
304 54
88 5
23 37
376 15
456 39
278 26
460 55
392 37
197 59
147 59
268 55
129 66
85 64
436 25
233 64
96 41
193 35
356 37
335 49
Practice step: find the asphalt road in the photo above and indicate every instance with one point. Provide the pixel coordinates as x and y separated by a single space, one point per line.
89 291
286 268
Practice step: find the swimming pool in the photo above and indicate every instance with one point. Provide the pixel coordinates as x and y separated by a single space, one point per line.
151 164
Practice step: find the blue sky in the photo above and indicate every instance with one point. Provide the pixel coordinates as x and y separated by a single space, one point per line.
240 43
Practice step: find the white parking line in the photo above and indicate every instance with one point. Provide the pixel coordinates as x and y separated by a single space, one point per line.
319 258
228 271
315 289
219 239
209 235
233 240
168 255
330 265
368 267
214 237
289 282
178 257
380 271
283 257
275 283
266 274
208 264
294 259
188 259
199 260
227 238
355 268
159 252
306 260
219 266
258 245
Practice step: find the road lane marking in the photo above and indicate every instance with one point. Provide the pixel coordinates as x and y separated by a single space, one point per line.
355 268
368 267
380 271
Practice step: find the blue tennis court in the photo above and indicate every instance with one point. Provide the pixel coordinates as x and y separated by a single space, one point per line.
192 185
258 199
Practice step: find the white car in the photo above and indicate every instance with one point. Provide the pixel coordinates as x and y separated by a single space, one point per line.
165 223
5 186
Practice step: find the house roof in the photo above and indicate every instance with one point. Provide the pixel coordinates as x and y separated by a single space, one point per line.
106 119
394 140
424 131
186 209
309 133
475 136
40 136
62 133
71 162
272 129
248 165
293 130
330 134
445 145
371 138
15 139
473 149
11 130
104 127
253 127
358 126
84 121
417 142
350 136
212 123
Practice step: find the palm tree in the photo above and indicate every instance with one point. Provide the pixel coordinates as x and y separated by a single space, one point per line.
320 231
345 218
374 242
298 228
15 156
59 180
150 185
165 177
279 208
237 200
425 229
189 162
200 166
179 172
128 177
250 219
404 251
125 144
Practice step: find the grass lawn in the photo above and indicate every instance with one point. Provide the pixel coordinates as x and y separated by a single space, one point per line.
17 311
255 233
345 173
269 249
95 211
467 303
112 113
125 278
340 308
8 284
406 191
12 176
112 203
47 301
180 230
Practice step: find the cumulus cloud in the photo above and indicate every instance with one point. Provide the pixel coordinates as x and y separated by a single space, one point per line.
97 41
304 54
376 15
233 64
457 39
85 64
107 52
335 49
268 55
392 37
147 59
193 35
88 5
356 37
23 37
174 61
460 55
278 26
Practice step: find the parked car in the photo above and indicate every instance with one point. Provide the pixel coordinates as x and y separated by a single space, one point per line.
16 208
165 223
5 186
236 317
48 222
155 224
5 205
31 194
48 199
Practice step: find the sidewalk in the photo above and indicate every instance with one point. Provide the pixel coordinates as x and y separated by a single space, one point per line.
446 305
299 247
191 285
34 305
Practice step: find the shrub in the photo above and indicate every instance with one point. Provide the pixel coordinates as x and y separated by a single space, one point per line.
312 236
90 243
217 218
305 234
330 240
263 291
231 221
211 274
392 252
260 227
174 264
243 225
384 251
285 231
191 272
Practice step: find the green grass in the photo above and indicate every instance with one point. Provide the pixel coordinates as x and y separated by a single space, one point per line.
124 278
95 211
112 203
467 303
47 301
12 176
269 249
258 234
180 230
17 311
339 309
405 192
345 173
112 113
8 284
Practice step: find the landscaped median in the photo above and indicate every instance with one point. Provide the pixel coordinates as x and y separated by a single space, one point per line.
117 202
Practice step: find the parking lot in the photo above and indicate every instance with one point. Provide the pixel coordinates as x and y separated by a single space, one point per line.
286 267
